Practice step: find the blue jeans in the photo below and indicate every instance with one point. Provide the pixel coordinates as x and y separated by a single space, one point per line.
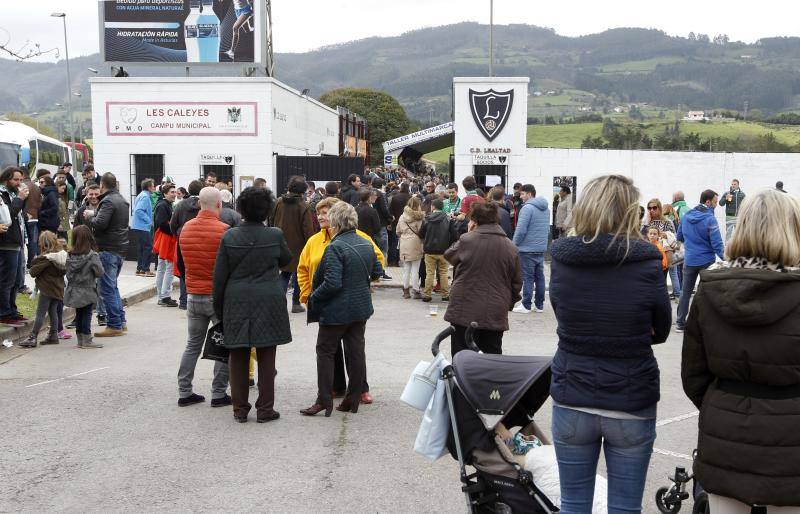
730 226
9 261
627 446
383 244
112 265
690 274
675 278
144 249
285 277
33 240
532 275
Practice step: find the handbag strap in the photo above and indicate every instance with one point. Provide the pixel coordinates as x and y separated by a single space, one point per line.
363 264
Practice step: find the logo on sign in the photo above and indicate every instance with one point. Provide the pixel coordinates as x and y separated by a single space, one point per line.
490 110
387 160
234 114
228 159
502 159
128 114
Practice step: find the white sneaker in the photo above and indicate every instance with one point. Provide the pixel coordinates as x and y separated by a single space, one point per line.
521 309
536 309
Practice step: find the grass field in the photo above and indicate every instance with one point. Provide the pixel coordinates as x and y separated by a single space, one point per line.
645 66
570 136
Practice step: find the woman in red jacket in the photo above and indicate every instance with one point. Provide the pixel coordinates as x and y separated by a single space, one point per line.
164 245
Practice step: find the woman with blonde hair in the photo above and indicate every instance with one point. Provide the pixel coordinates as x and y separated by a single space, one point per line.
411 252
741 362
610 299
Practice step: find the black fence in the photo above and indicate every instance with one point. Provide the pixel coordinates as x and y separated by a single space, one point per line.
317 169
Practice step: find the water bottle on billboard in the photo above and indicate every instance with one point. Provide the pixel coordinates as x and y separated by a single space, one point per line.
201 31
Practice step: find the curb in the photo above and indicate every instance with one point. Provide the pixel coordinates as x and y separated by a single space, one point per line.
17 334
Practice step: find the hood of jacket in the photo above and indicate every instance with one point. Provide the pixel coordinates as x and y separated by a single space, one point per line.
438 217
538 202
698 214
413 215
604 250
75 262
58 258
48 189
748 297
291 198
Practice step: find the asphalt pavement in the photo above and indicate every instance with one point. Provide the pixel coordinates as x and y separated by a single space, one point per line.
100 430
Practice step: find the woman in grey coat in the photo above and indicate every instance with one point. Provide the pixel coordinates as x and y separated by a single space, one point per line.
83 270
249 299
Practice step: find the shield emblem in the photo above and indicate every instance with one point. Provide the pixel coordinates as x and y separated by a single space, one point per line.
490 110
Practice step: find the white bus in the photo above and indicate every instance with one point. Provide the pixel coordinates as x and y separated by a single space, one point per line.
33 150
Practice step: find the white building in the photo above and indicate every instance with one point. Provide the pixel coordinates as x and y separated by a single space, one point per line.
695 116
183 127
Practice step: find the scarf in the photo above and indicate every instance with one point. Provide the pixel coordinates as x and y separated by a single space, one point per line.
753 263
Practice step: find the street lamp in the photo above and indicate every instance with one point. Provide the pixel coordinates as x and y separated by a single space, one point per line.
60 122
63 17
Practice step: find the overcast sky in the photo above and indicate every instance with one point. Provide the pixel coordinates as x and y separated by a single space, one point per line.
336 21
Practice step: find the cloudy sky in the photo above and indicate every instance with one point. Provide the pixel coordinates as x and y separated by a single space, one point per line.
336 21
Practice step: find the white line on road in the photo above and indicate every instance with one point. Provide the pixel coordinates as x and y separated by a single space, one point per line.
64 378
672 454
669 421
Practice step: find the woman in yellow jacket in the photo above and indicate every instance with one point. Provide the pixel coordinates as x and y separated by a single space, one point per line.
310 258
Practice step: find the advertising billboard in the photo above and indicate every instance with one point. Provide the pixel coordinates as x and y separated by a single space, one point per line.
182 31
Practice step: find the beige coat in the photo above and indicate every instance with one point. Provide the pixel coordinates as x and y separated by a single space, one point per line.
408 232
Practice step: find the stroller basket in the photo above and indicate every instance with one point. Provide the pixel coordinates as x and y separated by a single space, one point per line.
482 391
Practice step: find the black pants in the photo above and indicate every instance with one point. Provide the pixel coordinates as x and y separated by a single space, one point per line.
488 341
83 319
239 366
339 377
329 339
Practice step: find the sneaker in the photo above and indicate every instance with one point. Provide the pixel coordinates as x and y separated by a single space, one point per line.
385 277
11 322
101 320
298 308
191 400
679 329
28 342
64 335
445 298
520 309
167 302
221 402
149 274
537 309
21 318
426 298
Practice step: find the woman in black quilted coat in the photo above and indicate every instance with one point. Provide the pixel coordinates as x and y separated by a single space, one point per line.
249 299
741 362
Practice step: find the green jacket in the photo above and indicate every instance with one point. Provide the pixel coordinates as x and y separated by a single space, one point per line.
340 289
681 208
247 291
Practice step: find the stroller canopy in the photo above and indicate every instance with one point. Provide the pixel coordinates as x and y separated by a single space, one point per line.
494 384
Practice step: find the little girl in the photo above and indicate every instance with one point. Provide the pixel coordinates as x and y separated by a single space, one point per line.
83 270
48 269
653 236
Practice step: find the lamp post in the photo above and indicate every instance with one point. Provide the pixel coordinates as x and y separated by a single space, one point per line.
60 123
63 17
491 38
80 121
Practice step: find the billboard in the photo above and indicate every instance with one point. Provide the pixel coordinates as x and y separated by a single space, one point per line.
182 31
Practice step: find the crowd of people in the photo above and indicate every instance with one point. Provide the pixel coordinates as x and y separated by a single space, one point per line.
613 260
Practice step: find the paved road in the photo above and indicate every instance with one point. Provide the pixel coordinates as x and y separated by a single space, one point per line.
99 431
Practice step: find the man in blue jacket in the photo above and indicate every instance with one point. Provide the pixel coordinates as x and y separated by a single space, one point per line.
530 237
699 232
141 225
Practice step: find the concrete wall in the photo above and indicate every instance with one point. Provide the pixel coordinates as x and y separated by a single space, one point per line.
659 174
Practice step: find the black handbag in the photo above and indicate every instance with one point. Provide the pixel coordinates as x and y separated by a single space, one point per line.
214 347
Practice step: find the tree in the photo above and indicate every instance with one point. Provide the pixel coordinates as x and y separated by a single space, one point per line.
692 37
385 117
703 38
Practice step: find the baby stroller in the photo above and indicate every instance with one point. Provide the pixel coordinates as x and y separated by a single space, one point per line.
669 499
483 390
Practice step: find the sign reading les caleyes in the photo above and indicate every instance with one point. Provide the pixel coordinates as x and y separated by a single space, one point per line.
490 110
181 118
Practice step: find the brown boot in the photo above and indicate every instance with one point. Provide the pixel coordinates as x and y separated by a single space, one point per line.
52 338
406 294
415 294
110 332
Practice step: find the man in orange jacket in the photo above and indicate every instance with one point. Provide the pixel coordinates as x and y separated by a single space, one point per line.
199 241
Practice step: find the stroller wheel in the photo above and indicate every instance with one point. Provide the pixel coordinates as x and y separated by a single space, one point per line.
701 504
665 503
